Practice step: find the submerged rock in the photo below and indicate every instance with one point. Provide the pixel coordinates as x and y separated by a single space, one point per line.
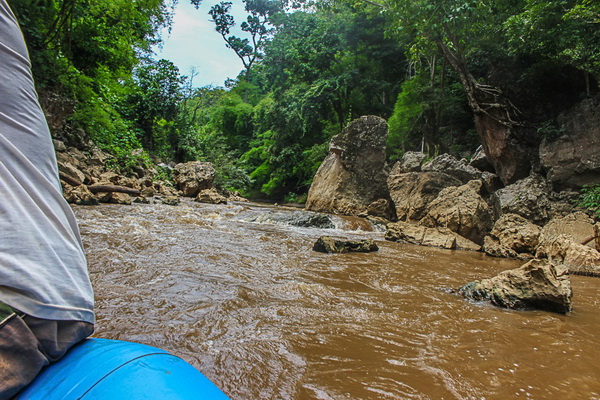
304 219
171 200
539 284
327 244
424 236
210 196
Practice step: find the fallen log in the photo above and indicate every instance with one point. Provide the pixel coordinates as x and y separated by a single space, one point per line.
113 188
69 179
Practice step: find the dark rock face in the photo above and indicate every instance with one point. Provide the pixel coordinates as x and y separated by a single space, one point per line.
538 284
573 160
353 175
194 176
411 192
326 244
480 161
510 155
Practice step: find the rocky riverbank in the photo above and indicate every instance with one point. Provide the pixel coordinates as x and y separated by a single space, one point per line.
87 180
460 204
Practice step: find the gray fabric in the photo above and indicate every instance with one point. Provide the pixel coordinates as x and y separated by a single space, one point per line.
27 344
43 270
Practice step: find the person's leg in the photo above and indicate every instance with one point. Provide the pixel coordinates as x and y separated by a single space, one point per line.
21 357
27 344
56 337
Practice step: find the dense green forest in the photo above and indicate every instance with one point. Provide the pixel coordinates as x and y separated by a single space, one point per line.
309 68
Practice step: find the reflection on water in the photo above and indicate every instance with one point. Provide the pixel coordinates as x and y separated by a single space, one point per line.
265 317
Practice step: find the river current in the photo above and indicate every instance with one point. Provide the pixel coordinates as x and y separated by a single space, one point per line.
264 317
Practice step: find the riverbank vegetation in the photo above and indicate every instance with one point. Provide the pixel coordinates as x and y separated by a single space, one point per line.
425 66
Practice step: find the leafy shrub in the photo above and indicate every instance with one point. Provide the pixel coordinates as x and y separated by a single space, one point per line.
590 198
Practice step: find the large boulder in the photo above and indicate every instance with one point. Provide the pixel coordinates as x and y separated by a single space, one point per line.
462 210
326 244
450 165
573 159
353 176
193 176
423 236
80 195
579 259
411 192
513 237
528 197
577 226
538 284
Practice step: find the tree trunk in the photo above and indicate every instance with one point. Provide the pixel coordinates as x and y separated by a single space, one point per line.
503 136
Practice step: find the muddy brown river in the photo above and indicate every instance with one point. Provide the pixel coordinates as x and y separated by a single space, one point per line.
264 317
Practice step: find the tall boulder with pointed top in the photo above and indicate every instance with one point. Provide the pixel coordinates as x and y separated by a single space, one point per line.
352 177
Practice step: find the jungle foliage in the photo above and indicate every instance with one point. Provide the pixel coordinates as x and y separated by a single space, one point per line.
309 69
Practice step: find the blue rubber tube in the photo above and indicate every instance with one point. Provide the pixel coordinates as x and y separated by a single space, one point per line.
117 370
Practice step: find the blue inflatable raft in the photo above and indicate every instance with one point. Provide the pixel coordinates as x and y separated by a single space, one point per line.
117 370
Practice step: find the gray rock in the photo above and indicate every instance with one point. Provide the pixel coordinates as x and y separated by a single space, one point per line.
450 165
538 284
326 244
480 161
576 257
528 197
304 219
573 159
411 162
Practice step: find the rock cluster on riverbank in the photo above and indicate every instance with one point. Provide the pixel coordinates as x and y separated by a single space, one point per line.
87 180
453 204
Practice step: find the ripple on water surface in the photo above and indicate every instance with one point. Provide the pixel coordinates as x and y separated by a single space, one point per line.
265 317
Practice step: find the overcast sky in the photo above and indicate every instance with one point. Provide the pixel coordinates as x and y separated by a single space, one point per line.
193 42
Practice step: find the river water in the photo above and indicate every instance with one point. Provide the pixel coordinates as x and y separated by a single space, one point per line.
264 317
